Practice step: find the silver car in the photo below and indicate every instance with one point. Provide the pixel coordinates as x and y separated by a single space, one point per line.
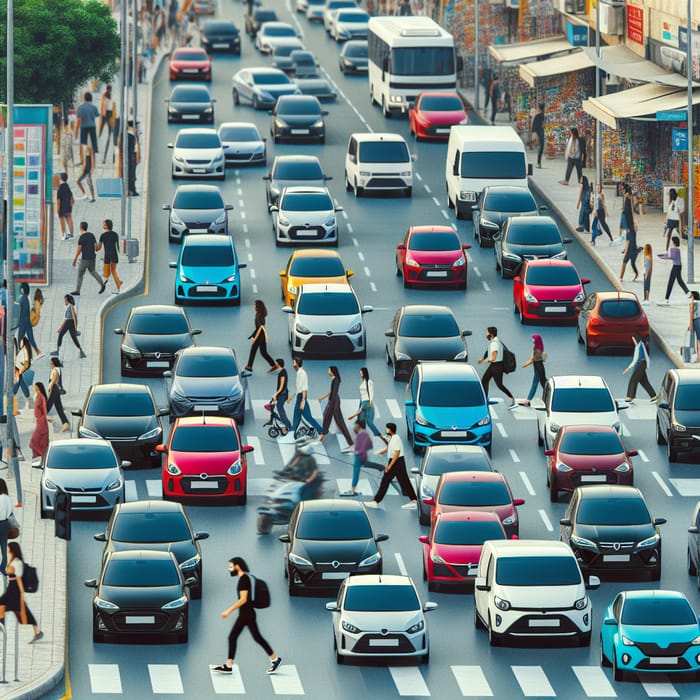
305 215
261 86
197 209
242 144
379 616
327 320
89 470
291 171
198 153
272 32
349 23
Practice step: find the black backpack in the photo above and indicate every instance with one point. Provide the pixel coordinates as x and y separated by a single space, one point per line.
260 592
30 579
508 360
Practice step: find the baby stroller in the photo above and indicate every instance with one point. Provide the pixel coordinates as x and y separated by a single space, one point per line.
276 427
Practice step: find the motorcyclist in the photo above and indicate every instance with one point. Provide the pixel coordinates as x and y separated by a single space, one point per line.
303 467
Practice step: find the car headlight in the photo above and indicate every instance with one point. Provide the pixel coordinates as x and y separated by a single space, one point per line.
84 432
299 561
420 420
178 158
622 468
291 288
512 256
559 256
302 329
581 603
130 351
355 328
509 520
579 298
318 124
627 641
280 123
561 467
151 433
554 427
220 220
235 468
184 277
208 110
172 110
190 563
501 603
529 297
330 221
173 469
49 485
459 262
462 355
105 604
372 559
412 263
695 641
219 158
416 628
678 427
436 558
347 63
175 219
648 542
231 278
282 220
402 356
350 628
175 604
116 484
583 542
405 173
490 225
395 98
484 421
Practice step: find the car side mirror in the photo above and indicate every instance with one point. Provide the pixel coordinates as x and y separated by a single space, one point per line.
518 279
543 207
190 581
340 209
411 105
514 537
632 453
166 207
270 111
246 449
414 157
622 406
566 241
585 280
242 266
201 535
332 606
91 583
118 331
429 501
172 265
170 145
593 583
548 453
125 464
401 246
349 273
167 374
466 333
492 402
693 530
566 522
381 537
77 412
610 621
228 207
325 112
99 537
663 404
423 539
163 412
366 309
519 502
283 273
496 236
266 177
390 334
429 606
273 208
410 404
541 408
466 246
480 584
197 331
327 177
284 538
659 521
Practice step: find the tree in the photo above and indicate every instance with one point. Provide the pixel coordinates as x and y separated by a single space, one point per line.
59 46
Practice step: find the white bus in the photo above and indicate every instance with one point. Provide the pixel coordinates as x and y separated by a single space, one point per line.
406 56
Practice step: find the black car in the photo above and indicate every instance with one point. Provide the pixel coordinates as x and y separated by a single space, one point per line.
678 412
423 332
609 529
151 337
139 593
694 544
531 237
329 539
220 35
496 204
281 54
161 526
127 416
291 171
253 22
298 118
353 57
190 103
196 209
304 64
317 87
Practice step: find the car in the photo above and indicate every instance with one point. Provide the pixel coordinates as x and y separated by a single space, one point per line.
652 631
608 320
88 470
575 400
379 616
270 33
220 35
451 551
298 118
190 103
609 529
259 16
496 204
548 290
206 380
153 333
301 5
348 23
327 320
242 143
305 215
678 413
208 269
353 57
304 64
306 266
327 540
433 113
694 544
127 416
205 459
331 7
138 593
261 86
196 209
522 237
587 454
291 171
446 404
443 459
198 153
432 256
476 491
422 332
317 87
281 54
161 526
204 7
188 63
314 10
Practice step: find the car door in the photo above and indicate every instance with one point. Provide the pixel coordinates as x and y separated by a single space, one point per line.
570 516
694 539
588 305
518 286
244 85
607 632
411 399
663 406
401 254
391 340
481 597
351 163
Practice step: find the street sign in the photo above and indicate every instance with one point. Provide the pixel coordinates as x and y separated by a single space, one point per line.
673 115
679 140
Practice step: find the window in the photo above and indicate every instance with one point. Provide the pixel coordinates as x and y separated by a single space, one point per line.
141 573
538 571
198 199
509 202
619 308
552 276
452 394
317 267
239 133
658 611
474 493
270 79
204 438
440 462
428 326
434 61
687 398
207 256
612 511
81 456
504 165
435 241
294 170
120 404
525 233
582 400
157 324
190 94
384 152
385 598
185 140
593 443
334 525
306 201
475 532
328 304
152 526
441 103
206 366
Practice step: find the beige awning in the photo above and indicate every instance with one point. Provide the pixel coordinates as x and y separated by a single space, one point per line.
529 50
570 63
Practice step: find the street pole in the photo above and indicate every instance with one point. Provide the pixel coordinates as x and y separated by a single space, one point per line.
476 55
123 68
598 125
691 158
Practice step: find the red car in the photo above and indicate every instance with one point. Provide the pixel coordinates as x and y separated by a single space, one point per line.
190 64
481 491
452 549
433 113
587 454
610 319
432 256
548 289
204 459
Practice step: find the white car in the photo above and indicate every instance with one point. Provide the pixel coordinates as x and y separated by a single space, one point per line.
348 23
198 153
305 215
332 6
379 616
270 32
314 10
326 321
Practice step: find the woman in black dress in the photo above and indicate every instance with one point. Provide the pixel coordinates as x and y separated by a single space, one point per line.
258 338
13 598
332 410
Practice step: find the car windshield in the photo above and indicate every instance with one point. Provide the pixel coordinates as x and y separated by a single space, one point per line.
265 16
434 241
158 324
301 106
120 403
509 202
381 598
592 443
501 165
552 276
441 463
317 267
441 103
687 398
291 170
357 50
206 199
619 308
185 140
206 366
658 611
190 56
532 570
612 511
270 79
384 152
423 61
153 527
278 31
190 94
284 50
353 17
582 400
306 201
220 28
301 58
141 573
328 304
451 394
204 438
239 133
198 255
526 233
472 532
474 493
62 456
428 325
334 525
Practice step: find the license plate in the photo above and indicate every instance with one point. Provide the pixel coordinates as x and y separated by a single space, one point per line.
544 623
190 70
205 407
334 575
158 363
302 233
190 116
83 499
300 131
204 485
555 309
140 619
442 131
199 170
384 642
594 477
454 433
206 288
220 46
436 273
663 660
616 557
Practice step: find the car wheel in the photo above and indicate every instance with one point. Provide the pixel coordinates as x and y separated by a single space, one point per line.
540 441
579 337
348 186
359 191
236 97
449 201
503 271
197 590
478 624
659 435
395 373
672 454
45 515
425 659
604 660
656 572
423 519
553 491
618 673
692 569
97 637
494 637
589 349
425 578
240 420
408 192
498 267
177 301
523 320
256 104
182 637
339 658
322 140
584 639
385 111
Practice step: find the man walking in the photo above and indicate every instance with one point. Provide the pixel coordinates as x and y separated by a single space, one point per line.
495 95
133 150
538 129
572 153
363 444
494 357
64 206
109 240
301 406
396 467
246 618
86 122
86 252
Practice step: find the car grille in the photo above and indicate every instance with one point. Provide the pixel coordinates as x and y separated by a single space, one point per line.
334 344
243 157
675 665
363 644
615 546
438 437
386 182
194 294
120 623
220 485
157 356
673 649
453 571
302 233
82 490
198 225
197 161
522 626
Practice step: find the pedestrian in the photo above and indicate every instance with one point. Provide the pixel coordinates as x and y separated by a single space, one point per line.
88 163
363 444
133 151
494 357
537 128
24 321
246 617
13 598
172 22
404 8
64 207
39 442
601 211
333 411
67 155
107 115
365 410
694 325
5 513
673 215
487 82
537 359
35 311
55 389
496 95
68 325
572 153
674 255
301 405
24 374
86 251
279 398
86 122
259 338
583 204
648 269
396 467
631 250
109 241
639 366
158 27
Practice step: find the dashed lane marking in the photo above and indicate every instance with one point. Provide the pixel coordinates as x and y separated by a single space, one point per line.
239 192
246 242
594 682
409 681
349 227
476 271
245 228
427 189
165 679
367 272
437 201
445 215
502 430
393 406
545 519
527 483
533 681
418 176
254 288
485 285
355 242
361 255
154 488
344 214
514 455
472 681
105 678
254 442
401 564
373 286
225 684
642 455
662 484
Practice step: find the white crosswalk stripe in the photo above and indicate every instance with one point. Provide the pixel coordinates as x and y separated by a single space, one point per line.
165 679
258 456
472 682
105 678
363 486
594 682
130 490
660 690
227 684
286 681
686 487
533 681
527 414
641 411
409 681
154 487
394 410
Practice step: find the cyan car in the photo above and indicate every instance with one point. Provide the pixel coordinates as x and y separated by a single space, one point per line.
207 269
446 404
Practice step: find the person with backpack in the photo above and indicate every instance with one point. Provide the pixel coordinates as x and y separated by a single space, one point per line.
495 356
13 598
246 604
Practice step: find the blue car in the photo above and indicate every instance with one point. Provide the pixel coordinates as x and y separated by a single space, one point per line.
207 270
446 404
650 631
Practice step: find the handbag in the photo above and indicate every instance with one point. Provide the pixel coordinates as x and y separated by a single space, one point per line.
13 531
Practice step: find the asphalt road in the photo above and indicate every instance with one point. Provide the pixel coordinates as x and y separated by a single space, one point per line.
462 663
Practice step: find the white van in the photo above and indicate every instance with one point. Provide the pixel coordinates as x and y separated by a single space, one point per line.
378 162
478 156
532 588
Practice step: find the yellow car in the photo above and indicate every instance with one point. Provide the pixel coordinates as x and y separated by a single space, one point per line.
311 266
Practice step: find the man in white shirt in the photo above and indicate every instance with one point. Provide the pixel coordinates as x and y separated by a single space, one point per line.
301 406
573 154
494 357
396 467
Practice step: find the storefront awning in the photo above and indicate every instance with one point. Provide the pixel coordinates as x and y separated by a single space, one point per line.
529 50
576 61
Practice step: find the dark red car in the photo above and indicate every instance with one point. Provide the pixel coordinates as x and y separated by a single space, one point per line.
190 64
548 290
432 256
204 459
433 113
587 454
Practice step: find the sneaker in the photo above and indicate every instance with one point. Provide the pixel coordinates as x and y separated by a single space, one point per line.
82 355
665 302
103 287
411 505
350 492
274 665
372 504
36 637
223 668
579 229
76 293
347 449
512 406
645 302
246 372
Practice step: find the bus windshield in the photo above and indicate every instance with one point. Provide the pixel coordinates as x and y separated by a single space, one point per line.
423 60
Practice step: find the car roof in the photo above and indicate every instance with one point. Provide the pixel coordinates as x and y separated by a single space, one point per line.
428 228
199 130
150 506
312 253
142 554
446 370
466 476
573 381
469 516
188 50
323 505
507 189
539 220
588 429
78 442
518 548
426 309
162 309
276 23
311 99
686 375
323 287
378 580
189 88
263 70
305 189
295 159
549 262
218 23
651 593
377 136
195 187
604 492
238 124
456 449
209 240
207 351
189 421
606 296
117 387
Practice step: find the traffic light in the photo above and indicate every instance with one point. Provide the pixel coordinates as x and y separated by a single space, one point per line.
62 515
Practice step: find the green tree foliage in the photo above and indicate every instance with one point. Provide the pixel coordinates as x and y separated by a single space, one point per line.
59 45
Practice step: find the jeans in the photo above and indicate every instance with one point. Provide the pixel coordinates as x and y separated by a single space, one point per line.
572 163
584 218
306 412
675 276
4 527
538 377
358 464
367 415
281 412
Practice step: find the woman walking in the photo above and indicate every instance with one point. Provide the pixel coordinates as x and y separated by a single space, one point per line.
639 366
88 164
69 325
648 269
694 325
601 211
39 442
537 360
332 410
674 255
279 398
631 252
259 339
673 215
366 409
583 204
54 389
13 598
24 374
5 513
106 114
24 324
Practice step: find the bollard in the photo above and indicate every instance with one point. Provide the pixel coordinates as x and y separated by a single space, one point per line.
16 648
4 653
